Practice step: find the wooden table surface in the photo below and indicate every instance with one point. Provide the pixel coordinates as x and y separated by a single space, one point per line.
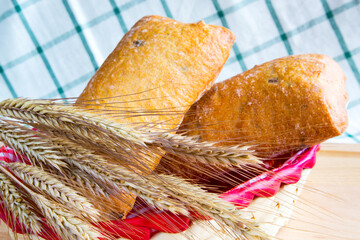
329 206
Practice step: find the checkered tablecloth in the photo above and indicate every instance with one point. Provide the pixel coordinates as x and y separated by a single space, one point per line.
51 48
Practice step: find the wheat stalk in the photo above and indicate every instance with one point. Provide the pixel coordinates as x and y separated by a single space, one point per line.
90 128
88 163
53 119
192 195
85 182
23 140
66 224
208 204
48 184
75 155
161 194
17 205
121 178
46 112
159 191
205 152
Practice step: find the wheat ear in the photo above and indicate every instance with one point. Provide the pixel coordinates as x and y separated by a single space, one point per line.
53 119
66 224
135 183
85 182
120 178
17 205
184 146
46 112
115 175
42 148
70 153
209 204
88 127
23 141
50 150
48 184
186 196
206 152
182 195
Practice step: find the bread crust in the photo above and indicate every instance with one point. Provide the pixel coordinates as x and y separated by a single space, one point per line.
165 64
278 106
160 66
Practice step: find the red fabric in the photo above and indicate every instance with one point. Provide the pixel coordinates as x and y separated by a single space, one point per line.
9 155
269 183
145 225
47 232
150 222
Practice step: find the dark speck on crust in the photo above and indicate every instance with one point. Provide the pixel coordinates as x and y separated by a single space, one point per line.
138 43
273 80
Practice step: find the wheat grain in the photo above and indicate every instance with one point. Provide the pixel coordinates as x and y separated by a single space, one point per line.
159 191
88 127
23 140
108 138
89 163
48 184
122 179
18 206
47 112
140 186
190 195
84 182
205 152
81 158
66 224
209 204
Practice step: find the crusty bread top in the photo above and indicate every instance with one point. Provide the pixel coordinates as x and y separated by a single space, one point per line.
154 74
160 64
278 106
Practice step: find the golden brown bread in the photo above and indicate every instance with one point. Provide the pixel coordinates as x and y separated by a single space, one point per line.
173 62
278 106
160 64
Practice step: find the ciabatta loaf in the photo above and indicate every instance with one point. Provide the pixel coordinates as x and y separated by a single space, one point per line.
159 68
279 106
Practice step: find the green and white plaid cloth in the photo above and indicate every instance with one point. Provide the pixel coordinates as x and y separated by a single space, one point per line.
51 48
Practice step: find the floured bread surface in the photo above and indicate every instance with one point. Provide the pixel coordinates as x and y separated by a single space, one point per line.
279 106
159 68
270 213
